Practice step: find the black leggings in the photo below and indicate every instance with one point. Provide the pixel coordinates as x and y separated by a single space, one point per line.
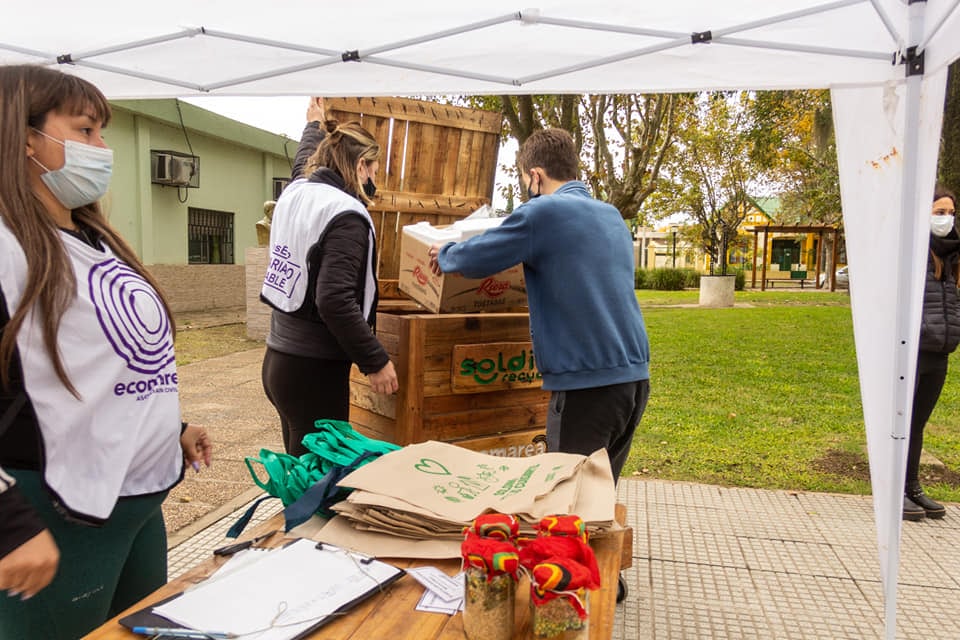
931 374
304 390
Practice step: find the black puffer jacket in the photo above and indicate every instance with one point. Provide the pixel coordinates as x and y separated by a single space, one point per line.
940 324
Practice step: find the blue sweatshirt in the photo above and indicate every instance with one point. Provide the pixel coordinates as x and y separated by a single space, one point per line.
577 257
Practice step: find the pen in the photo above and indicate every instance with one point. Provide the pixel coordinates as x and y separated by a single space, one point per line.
231 549
183 633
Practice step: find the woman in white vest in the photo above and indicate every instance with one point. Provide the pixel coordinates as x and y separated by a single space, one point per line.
90 432
321 282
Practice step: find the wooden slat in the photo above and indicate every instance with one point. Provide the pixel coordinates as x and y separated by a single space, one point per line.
448 172
461 186
395 180
477 162
419 111
515 444
488 174
373 425
427 203
457 426
410 394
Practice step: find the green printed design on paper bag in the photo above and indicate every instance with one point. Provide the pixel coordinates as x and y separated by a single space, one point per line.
470 488
426 465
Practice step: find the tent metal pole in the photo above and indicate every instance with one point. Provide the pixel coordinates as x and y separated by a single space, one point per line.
49 59
936 28
224 35
612 28
827 51
386 62
187 33
137 74
274 73
483 24
887 22
606 60
785 17
903 392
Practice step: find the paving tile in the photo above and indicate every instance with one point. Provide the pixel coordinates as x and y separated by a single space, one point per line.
634 616
922 611
792 556
691 601
804 607
632 494
720 549
198 548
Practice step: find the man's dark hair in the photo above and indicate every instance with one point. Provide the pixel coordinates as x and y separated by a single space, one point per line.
553 151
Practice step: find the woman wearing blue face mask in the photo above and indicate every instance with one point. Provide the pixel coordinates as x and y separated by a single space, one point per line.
85 465
939 337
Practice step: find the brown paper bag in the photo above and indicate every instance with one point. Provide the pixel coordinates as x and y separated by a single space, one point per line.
458 484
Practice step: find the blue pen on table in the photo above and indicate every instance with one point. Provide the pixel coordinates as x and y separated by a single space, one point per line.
183 633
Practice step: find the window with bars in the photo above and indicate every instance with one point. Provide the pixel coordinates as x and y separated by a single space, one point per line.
279 184
209 236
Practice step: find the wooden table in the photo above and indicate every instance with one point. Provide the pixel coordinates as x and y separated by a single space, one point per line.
392 614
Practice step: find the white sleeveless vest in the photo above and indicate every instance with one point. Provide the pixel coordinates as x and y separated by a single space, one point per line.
303 212
122 437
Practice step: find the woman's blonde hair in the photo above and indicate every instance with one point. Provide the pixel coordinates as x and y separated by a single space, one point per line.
344 146
28 94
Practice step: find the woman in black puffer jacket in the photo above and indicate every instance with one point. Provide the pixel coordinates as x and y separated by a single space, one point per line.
939 336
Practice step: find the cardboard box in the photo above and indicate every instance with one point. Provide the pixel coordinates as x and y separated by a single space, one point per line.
451 292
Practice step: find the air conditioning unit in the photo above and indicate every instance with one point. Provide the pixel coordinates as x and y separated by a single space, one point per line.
174 169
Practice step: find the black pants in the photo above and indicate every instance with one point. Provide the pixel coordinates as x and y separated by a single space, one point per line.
584 420
931 374
304 390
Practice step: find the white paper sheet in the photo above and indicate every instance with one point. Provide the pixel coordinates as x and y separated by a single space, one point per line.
281 595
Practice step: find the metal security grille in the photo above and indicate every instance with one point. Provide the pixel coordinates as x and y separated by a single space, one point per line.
209 236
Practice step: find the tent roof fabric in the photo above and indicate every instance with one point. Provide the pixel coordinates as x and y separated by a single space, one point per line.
299 47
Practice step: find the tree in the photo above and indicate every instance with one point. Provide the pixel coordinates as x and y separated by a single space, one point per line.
948 170
645 127
623 138
793 142
710 173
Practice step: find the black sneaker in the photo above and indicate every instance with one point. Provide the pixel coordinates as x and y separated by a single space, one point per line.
932 509
911 510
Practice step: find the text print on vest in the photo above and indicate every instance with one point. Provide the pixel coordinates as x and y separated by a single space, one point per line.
282 274
134 322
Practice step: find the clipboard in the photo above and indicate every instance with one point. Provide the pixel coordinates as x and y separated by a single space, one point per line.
147 617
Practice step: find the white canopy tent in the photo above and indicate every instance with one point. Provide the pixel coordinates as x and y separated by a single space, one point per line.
884 60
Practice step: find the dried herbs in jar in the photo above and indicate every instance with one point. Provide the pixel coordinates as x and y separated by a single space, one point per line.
490 584
559 600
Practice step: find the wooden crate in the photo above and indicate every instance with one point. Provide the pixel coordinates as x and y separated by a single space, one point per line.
438 401
438 163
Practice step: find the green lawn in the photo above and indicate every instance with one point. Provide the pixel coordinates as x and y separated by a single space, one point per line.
766 396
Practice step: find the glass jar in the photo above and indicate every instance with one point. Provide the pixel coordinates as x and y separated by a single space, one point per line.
488 605
558 618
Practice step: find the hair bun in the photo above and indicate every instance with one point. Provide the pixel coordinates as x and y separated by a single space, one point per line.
331 125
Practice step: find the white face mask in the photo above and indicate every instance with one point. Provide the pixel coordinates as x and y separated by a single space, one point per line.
940 226
85 174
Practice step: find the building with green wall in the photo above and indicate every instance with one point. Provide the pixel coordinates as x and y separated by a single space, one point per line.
192 238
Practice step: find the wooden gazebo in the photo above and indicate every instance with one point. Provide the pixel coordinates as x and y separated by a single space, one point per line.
820 230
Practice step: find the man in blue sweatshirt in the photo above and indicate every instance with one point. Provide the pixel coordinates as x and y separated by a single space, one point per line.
587 330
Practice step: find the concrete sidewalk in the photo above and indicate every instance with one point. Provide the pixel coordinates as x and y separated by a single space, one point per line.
708 561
